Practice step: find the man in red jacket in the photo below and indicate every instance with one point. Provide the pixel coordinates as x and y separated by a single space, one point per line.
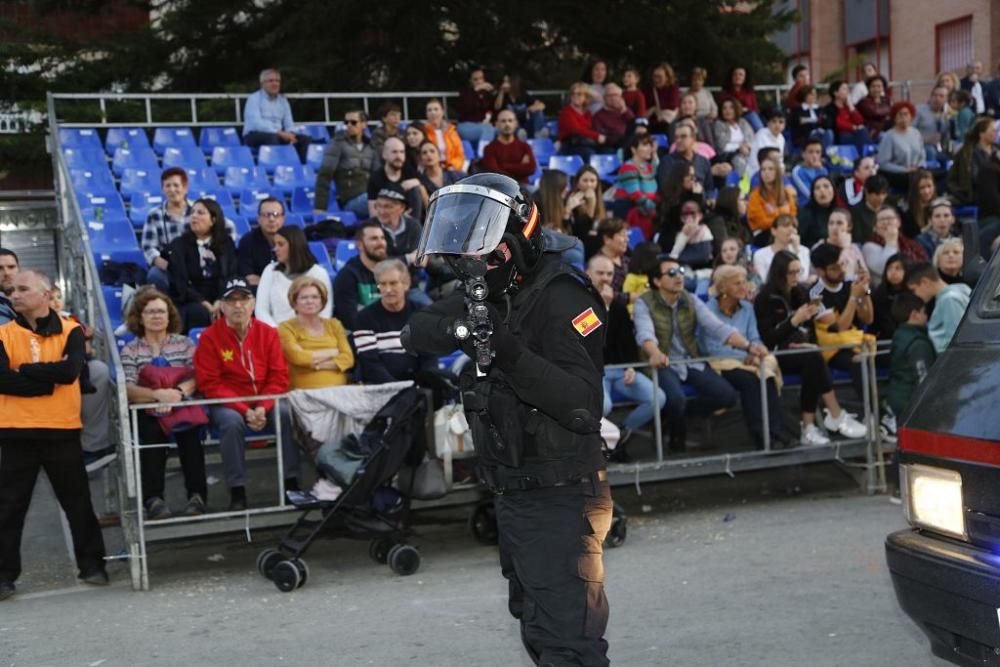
239 356
507 154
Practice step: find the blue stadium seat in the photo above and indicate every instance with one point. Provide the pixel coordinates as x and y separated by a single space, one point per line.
134 158
124 255
553 127
347 218
303 199
543 149
110 234
270 157
635 237
179 137
139 207
189 157
346 249
842 157
82 137
250 198
195 334
967 213
96 180
447 362
238 179
662 141
483 143
224 157
295 220
570 164
870 149
84 158
221 197
606 165
203 179
733 179
322 256
242 225
288 177
121 340
470 152
125 137
314 155
316 132
103 205
113 302
140 181
210 137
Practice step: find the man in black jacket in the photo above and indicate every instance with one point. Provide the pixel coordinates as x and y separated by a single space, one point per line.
8 269
354 287
533 397
257 248
41 356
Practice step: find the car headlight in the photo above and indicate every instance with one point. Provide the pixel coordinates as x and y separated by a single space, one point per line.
933 499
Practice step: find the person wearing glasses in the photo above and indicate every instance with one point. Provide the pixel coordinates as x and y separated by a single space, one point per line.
256 249
348 161
666 320
267 117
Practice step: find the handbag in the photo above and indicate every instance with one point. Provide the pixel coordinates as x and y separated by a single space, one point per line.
425 482
181 418
452 436
824 337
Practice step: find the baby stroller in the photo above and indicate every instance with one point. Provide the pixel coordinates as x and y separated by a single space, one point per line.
366 509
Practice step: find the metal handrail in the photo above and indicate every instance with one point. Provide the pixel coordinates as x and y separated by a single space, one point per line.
772 90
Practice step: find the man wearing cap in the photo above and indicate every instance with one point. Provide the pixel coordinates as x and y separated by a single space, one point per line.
402 233
238 356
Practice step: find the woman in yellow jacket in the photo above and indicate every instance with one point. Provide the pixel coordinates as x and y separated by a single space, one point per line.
445 135
769 200
316 348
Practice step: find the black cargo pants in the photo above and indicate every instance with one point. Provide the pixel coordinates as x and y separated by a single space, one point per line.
551 552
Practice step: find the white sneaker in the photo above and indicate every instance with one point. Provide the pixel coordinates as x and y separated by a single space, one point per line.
846 425
887 426
811 435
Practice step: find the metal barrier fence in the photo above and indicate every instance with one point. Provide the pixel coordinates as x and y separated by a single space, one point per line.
326 103
83 295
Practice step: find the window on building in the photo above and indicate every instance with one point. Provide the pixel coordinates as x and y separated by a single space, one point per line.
954 45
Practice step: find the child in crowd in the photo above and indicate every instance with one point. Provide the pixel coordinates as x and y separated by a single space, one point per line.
912 350
644 260
808 170
962 114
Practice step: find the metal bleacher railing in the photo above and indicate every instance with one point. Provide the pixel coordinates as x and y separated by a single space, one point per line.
81 278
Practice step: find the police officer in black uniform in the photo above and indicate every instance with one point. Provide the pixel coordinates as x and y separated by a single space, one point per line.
533 396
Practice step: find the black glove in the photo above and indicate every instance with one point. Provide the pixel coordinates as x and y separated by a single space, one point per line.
506 347
431 330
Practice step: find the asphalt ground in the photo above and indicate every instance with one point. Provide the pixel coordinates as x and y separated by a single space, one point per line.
781 567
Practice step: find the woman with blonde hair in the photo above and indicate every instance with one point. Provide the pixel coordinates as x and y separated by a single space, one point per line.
316 348
707 108
576 124
741 370
948 259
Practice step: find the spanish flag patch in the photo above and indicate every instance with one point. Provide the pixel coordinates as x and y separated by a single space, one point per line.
586 322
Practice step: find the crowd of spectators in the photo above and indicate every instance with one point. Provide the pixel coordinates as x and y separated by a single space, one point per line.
719 234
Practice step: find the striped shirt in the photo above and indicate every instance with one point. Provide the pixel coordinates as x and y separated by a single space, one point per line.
381 357
178 350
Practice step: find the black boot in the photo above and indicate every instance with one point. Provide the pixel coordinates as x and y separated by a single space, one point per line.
237 499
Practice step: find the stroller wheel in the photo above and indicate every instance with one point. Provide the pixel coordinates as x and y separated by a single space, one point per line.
266 560
619 528
483 524
286 576
303 569
404 559
379 548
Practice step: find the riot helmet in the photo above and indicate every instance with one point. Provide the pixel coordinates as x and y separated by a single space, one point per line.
484 226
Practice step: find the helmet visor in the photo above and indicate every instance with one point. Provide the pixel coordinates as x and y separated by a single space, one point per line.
464 220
